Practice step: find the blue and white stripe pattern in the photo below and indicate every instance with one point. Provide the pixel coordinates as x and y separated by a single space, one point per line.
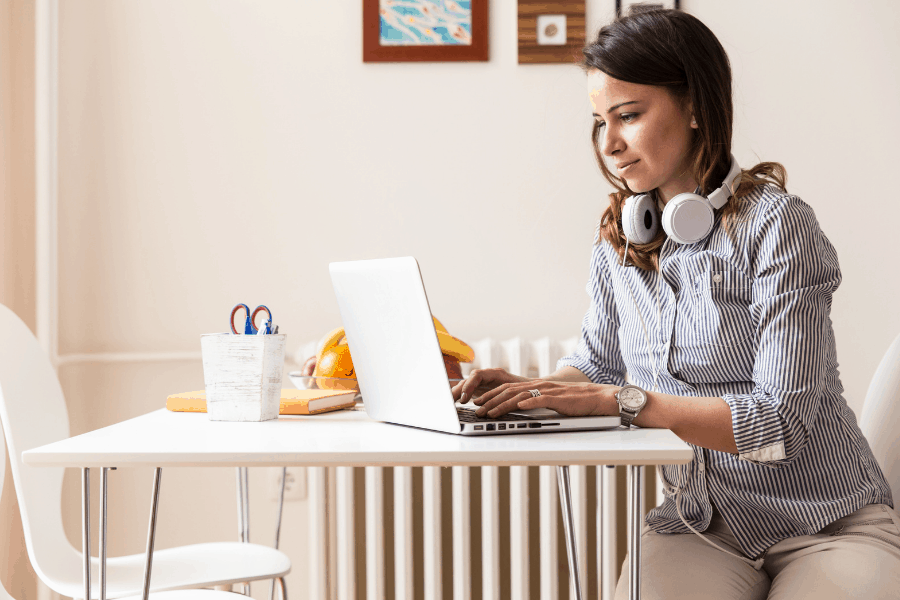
746 319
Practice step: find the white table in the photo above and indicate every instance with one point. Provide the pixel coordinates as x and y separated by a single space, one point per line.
349 438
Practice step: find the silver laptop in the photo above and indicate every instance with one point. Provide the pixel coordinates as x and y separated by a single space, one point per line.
398 361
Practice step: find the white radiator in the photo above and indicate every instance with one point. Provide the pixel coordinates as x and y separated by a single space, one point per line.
434 553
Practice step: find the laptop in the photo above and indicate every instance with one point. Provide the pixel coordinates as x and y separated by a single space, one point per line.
399 366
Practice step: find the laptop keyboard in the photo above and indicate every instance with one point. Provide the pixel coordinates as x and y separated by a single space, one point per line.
467 415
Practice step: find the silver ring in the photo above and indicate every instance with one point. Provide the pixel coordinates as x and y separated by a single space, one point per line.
535 393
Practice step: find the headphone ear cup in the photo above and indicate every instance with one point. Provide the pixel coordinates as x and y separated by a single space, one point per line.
688 218
640 219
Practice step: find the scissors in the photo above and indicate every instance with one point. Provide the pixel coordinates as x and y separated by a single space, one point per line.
250 327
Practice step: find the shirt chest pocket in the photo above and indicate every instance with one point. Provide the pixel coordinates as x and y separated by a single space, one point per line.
719 308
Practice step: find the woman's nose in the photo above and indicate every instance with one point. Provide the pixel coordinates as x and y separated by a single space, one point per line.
610 142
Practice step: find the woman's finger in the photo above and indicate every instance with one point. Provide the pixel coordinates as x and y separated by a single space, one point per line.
488 396
530 402
508 405
456 391
485 380
469 385
495 397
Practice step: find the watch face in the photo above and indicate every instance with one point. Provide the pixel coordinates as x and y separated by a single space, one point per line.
631 397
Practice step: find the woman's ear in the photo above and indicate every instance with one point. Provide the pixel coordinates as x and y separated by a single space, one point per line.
689 109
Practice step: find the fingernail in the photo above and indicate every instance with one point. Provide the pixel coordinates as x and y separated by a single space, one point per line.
463 397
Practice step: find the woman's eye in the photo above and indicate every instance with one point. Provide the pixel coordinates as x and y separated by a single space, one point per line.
600 124
628 117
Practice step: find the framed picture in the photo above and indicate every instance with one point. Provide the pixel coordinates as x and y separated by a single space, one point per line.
624 6
551 33
425 30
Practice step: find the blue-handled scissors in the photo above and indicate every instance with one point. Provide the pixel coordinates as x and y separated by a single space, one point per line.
250 327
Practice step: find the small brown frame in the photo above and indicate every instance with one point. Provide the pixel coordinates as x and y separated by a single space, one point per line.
530 52
373 51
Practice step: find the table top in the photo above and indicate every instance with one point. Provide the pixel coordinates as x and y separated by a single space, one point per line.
343 438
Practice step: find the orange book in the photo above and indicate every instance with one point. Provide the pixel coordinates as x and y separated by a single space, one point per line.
293 402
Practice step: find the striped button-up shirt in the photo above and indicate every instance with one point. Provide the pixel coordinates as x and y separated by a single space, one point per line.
744 317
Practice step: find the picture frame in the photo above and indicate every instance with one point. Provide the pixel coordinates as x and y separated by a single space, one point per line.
550 32
623 6
425 30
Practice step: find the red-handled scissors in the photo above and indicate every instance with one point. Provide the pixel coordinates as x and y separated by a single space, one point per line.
250 327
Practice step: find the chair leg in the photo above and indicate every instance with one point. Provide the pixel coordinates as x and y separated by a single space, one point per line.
283 588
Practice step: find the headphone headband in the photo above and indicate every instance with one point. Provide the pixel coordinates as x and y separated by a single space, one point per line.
719 197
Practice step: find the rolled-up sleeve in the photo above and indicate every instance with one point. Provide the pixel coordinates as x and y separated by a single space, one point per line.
795 272
597 354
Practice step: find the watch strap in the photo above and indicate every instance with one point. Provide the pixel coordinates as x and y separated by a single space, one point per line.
627 416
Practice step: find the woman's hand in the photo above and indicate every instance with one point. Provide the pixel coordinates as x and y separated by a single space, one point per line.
500 392
480 381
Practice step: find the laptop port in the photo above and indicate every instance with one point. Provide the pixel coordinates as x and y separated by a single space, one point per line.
490 426
501 426
534 425
479 427
522 425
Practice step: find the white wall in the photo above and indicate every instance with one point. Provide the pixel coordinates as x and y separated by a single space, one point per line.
217 152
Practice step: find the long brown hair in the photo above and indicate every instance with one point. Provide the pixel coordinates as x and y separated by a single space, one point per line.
674 50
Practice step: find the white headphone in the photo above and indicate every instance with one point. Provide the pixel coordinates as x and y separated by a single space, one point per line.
687 218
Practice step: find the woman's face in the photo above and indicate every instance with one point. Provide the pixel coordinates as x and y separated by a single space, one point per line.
645 134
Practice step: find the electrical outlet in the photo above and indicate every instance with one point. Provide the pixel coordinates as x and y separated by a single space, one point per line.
294 486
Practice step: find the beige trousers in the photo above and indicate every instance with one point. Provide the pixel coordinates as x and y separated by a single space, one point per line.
861 561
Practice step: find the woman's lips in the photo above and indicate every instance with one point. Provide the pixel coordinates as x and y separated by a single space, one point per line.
627 166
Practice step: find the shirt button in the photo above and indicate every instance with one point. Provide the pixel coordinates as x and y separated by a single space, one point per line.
717 277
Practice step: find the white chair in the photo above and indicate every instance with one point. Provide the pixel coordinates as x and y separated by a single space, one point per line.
33 411
880 417
177 595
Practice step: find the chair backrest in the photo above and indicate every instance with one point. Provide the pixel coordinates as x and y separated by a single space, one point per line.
33 411
880 417
4 595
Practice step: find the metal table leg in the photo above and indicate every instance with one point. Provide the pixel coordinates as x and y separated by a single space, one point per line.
278 535
245 473
565 503
635 516
243 501
103 496
86 529
239 480
151 535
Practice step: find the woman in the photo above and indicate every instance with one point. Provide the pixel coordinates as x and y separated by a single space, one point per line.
727 336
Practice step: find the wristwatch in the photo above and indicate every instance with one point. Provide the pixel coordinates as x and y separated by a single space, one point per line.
632 400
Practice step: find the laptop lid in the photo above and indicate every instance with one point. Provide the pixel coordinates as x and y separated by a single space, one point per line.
391 335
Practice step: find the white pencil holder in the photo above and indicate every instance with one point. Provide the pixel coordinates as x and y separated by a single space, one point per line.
242 374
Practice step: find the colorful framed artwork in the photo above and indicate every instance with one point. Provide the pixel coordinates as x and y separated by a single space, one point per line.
425 30
623 7
551 33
